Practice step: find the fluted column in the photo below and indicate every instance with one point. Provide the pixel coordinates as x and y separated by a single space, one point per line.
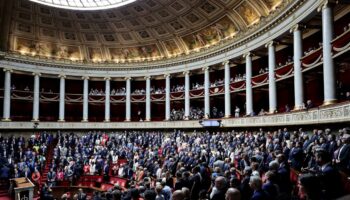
329 84
187 94
62 97
298 75
107 99
167 96
148 98
227 89
86 99
249 89
7 96
272 80
36 96
128 99
206 92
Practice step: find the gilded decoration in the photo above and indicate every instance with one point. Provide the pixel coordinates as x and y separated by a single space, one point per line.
211 35
155 32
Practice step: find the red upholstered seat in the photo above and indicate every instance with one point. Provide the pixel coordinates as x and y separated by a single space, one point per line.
119 181
106 186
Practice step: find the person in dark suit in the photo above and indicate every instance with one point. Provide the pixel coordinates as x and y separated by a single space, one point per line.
196 183
329 176
343 157
220 188
5 172
245 189
270 187
106 171
51 178
81 195
256 184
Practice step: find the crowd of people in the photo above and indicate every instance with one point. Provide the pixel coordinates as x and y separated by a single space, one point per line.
195 114
23 157
96 92
199 165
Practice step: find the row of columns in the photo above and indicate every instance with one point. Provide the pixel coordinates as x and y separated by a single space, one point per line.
328 77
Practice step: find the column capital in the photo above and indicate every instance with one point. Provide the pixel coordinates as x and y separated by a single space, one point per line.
62 76
271 43
167 75
85 78
226 62
324 4
7 70
127 78
248 54
297 27
206 68
186 72
36 74
147 77
107 78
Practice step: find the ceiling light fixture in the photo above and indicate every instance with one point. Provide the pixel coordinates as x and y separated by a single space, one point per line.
84 4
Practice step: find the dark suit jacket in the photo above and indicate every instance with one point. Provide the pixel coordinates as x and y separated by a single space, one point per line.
260 195
270 189
218 196
344 155
331 182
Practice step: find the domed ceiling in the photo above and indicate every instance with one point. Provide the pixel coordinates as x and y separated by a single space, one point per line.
146 30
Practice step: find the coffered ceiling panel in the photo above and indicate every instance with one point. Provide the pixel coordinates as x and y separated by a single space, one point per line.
143 30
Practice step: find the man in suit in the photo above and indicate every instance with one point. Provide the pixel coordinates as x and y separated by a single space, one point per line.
343 157
219 189
105 171
329 176
256 184
51 178
81 195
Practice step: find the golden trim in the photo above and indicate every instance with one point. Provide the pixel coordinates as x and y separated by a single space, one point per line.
329 102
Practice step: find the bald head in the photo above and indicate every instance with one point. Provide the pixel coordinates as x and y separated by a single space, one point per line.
178 195
233 194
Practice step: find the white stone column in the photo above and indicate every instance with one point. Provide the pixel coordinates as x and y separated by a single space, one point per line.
128 99
107 99
167 97
298 75
227 89
7 96
272 80
148 98
206 93
36 97
249 89
86 99
329 83
62 97
187 94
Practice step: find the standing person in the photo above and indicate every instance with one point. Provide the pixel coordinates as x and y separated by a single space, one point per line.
237 111
51 178
330 178
256 184
81 195
343 157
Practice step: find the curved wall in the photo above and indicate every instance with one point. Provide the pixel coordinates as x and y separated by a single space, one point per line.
298 10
